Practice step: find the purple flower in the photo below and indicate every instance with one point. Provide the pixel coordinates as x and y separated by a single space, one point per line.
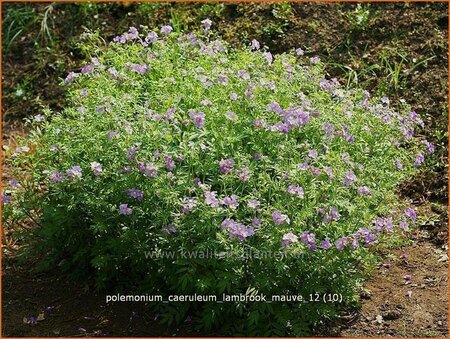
125 210
408 133
315 60
403 225
341 243
113 71
295 117
355 243
288 239
384 224
198 118
14 183
231 116
329 172
249 91
259 123
416 118
331 215
244 174
274 107
211 199
54 148
6 198
408 278
188 205
240 231
22 149
296 190
227 223
313 154
135 193
206 102
87 69
279 218
231 202
398 164
233 96
166 29
96 168
271 85
430 147
138 68
71 77
74 172
242 73
130 35
329 130
56 176
149 169
206 24
256 222
268 56
171 229
370 238
253 204
299 52
309 239
281 127
364 190
131 152
169 163
237 230
255 45
222 79
314 170
409 294
410 213
419 160
303 166
325 244
152 37
349 178
98 109
226 165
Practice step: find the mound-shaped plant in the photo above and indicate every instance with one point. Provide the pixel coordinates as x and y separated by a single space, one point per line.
182 166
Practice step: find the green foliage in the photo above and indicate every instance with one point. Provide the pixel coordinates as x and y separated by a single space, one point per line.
16 20
162 119
360 17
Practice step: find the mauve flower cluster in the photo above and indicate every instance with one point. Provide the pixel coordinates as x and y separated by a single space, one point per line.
363 235
242 84
237 230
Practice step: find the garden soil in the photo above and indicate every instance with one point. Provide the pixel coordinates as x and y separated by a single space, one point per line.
407 295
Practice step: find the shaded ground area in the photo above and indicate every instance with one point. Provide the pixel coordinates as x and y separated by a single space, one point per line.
395 49
73 309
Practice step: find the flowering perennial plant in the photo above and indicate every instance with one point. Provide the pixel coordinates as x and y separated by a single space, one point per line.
177 143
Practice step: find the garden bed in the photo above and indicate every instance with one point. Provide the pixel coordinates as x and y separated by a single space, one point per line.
385 39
